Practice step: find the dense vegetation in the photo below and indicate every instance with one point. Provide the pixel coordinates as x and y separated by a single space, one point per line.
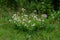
29 20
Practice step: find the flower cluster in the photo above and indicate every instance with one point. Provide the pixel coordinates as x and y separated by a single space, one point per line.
28 21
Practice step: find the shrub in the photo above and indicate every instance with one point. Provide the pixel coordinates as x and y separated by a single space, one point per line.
32 22
29 22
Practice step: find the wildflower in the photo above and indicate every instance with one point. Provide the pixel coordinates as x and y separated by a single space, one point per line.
35 11
25 24
22 16
33 24
26 15
44 16
10 20
39 19
23 9
43 20
14 22
35 17
29 21
14 15
24 19
17 18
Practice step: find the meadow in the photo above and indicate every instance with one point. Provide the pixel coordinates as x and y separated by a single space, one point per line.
29 21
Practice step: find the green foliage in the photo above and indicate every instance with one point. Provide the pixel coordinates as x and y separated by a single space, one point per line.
41 6
25 24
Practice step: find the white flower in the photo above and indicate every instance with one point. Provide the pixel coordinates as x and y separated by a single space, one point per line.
34 11
22 16
14 15
39 19
14 22
10 20
24 20
15 19
18 20
35 17
29 21
43 20
33 24
44 16
26 15
23 9
25 24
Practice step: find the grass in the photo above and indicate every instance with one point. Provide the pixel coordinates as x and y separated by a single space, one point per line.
7 31
49 31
